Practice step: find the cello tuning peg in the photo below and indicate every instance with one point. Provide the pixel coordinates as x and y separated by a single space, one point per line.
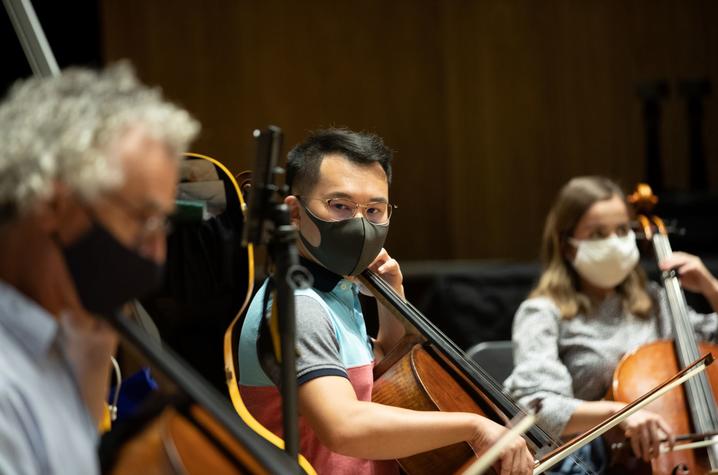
638 230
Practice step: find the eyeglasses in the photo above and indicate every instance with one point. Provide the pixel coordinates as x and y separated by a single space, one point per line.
340 209
149 226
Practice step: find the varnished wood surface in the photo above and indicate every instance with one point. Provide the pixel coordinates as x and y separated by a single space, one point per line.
646 368
491 105
172 445
418 382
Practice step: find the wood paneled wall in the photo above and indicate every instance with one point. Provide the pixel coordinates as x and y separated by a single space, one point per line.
490 105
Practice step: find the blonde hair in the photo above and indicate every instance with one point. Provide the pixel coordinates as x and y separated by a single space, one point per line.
559 281
61 128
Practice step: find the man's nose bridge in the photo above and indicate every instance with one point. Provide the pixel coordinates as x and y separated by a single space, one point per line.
362 211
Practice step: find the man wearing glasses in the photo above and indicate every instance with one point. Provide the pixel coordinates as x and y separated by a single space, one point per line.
340 203
88 169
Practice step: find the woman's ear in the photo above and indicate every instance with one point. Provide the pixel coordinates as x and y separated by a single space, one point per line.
568 250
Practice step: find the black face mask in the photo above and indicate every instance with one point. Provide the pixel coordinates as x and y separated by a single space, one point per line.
346 247
106 273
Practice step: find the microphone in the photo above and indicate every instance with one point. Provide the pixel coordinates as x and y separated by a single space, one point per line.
264 187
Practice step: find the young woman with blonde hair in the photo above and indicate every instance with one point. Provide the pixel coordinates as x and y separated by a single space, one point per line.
591 306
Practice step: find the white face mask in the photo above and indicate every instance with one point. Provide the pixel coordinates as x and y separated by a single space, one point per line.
605 263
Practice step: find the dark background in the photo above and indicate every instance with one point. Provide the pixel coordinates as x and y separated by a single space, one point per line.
490 105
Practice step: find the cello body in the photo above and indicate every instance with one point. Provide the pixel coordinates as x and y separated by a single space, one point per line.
172 445
422 380
648 366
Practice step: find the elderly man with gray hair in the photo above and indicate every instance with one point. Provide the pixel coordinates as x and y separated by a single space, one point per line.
88 169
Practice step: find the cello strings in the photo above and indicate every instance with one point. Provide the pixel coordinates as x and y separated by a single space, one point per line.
699 394
679 322
437 334
688 346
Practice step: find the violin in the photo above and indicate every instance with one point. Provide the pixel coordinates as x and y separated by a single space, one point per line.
688 410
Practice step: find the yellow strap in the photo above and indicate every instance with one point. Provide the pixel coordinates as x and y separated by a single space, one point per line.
230 369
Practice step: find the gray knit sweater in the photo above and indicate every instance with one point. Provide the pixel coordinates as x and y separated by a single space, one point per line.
567 361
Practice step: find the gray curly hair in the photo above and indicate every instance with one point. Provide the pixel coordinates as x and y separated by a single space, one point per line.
61 129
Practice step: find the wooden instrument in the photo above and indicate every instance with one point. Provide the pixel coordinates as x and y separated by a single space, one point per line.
688 409
429 372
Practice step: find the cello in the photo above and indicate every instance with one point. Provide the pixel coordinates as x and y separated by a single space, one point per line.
447 379
692 409
429 372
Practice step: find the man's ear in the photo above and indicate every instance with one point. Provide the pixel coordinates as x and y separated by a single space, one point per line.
61 214
51 211
294 205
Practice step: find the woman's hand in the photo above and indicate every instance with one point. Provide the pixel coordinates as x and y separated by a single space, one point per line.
646 431
693 274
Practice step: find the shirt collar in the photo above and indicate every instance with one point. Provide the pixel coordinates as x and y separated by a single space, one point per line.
26 321
324 279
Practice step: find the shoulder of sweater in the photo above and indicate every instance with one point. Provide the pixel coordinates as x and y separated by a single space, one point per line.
538 307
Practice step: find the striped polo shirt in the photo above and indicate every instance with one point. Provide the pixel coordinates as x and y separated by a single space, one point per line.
331 341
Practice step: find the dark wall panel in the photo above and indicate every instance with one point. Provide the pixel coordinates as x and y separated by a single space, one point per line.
491 105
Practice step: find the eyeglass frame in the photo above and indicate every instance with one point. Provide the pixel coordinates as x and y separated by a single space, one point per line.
389 208
148 226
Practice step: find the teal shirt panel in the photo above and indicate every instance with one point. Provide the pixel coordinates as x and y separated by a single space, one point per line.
342 308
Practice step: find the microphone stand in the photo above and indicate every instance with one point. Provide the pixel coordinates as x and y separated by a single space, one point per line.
269 222
288 277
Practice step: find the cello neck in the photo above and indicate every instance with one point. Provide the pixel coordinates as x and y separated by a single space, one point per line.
699 395
654 230
686 346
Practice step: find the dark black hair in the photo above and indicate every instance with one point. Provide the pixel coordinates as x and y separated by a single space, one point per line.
305 159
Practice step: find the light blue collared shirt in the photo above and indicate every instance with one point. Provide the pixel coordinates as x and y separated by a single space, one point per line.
45 428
